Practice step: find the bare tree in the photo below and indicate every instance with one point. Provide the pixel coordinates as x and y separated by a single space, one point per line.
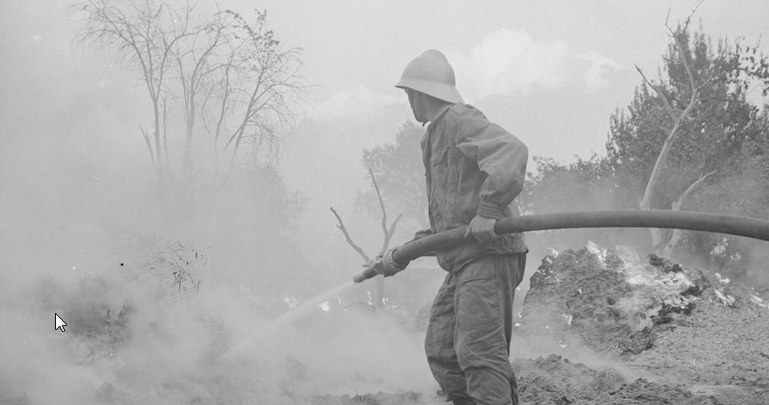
254 87
193 55
233 74
143 34
677 118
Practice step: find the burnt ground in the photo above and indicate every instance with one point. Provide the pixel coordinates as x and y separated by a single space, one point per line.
597 327
613 328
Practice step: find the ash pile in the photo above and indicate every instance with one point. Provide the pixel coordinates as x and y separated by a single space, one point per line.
656 332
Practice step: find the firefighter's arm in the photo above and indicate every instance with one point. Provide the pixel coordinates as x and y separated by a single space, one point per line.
500 155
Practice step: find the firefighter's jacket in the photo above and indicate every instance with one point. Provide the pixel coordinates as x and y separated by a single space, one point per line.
472 166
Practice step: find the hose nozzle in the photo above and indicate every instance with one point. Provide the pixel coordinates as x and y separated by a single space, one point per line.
365 275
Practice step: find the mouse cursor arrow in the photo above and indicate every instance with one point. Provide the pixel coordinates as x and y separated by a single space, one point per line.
58 322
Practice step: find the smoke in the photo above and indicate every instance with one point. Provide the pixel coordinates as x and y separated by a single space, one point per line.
151 312
132 339
155 291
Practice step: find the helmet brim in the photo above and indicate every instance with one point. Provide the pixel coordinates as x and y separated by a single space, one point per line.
440 91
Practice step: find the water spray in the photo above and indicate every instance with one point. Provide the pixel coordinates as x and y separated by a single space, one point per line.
694 221
263 332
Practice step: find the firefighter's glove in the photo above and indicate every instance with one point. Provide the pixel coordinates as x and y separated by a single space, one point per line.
482 229
386 265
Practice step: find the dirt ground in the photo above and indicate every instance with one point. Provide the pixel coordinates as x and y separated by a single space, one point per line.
613 328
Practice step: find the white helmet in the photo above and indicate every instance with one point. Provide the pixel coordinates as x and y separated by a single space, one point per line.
430 73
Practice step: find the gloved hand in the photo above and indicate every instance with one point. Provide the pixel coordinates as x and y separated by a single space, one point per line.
386 265
482 229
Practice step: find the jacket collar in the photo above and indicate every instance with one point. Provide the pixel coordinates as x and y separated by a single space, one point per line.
440 115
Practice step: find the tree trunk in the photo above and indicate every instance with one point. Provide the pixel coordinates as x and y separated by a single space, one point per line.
158 146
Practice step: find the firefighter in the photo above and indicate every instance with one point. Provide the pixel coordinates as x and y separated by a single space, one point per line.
474 169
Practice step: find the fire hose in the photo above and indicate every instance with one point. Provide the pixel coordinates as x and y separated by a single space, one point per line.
689 220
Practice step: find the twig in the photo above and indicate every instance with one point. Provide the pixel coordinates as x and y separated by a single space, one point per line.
696 185
381 203
146 136
666 103
688 19
388 233
347 236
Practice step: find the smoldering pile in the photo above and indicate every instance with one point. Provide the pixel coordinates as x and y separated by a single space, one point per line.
608 299
655 325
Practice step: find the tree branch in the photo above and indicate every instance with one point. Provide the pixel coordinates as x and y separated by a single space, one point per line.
665 102
692 188
388 232
667 251
347 236
149 146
